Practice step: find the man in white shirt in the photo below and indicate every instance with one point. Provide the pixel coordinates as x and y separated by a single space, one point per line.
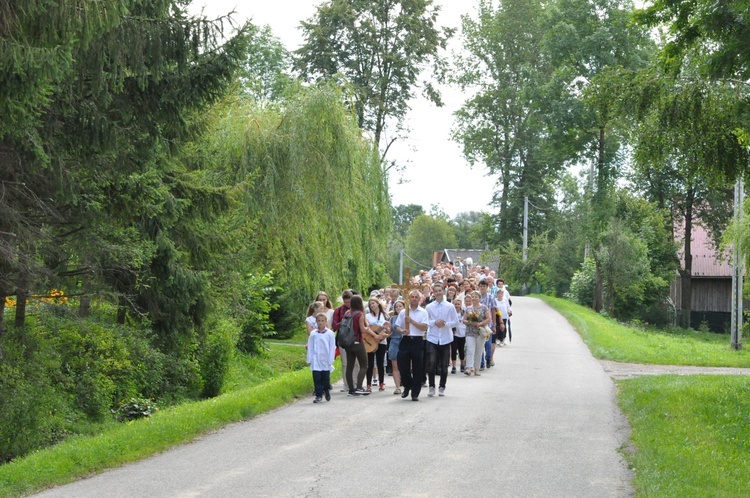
411 349
441 318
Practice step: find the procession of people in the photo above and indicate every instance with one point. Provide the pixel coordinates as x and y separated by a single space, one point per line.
414 332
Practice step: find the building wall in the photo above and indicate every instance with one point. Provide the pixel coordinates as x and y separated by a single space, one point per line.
709 294
711 302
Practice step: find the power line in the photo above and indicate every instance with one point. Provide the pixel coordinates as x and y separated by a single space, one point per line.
414 260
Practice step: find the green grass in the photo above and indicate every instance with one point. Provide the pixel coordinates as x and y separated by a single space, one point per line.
692 435
299 337
114 446
247 371
610 340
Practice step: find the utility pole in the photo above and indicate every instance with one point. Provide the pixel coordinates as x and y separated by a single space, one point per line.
737 271
401 268
525 237
525 227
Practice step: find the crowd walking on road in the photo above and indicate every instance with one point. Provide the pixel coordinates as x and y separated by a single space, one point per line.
452 320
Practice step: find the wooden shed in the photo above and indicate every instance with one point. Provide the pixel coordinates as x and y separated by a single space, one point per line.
711 282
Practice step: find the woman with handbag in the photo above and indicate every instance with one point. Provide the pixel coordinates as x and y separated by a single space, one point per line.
477 315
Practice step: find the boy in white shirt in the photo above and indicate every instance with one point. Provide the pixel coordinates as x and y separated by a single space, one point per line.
321 351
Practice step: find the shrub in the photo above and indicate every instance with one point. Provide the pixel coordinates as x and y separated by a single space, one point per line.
95 364
182 379
147 376
218 347
285 315
134 409
33 413
660 314
252 309
582 285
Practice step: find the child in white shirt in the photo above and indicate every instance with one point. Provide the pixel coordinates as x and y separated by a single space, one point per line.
321 351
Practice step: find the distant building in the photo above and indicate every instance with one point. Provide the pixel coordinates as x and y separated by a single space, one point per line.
475 255
711 284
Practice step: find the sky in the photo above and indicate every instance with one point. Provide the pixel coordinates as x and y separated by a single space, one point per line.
435 171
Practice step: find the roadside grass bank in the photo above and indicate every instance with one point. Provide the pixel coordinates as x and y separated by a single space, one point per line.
255 385
610 340
691 434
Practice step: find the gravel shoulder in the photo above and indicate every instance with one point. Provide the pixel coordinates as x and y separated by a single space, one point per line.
618 370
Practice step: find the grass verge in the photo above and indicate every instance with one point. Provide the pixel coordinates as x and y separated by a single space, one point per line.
610 340
85 455
692 435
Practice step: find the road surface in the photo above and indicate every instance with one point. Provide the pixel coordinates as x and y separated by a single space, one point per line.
543 422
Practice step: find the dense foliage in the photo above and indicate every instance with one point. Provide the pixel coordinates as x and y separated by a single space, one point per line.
170 172
173 194
380 48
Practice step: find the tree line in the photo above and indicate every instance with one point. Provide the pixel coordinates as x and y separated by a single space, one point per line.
169 192
187 184
624 128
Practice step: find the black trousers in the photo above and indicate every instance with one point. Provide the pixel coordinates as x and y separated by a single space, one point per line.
411 363
506 332
438 357
500 333
458 348
322 381
377 357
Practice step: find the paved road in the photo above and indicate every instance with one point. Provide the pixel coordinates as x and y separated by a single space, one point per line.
543 422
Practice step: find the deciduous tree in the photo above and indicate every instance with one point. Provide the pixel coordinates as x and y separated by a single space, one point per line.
428 235
380 49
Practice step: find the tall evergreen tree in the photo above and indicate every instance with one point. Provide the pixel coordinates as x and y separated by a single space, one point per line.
101 145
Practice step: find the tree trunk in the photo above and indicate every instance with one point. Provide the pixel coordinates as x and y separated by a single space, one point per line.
122 309
686 274
22 294
84 307
506 166
21 297
2 314
597 201
598 304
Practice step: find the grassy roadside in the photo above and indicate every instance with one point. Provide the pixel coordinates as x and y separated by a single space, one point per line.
609 340
690 434
84 455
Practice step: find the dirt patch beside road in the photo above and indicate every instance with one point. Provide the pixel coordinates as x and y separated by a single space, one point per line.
618 370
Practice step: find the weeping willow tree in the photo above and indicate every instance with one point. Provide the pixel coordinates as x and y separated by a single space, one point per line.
315 192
